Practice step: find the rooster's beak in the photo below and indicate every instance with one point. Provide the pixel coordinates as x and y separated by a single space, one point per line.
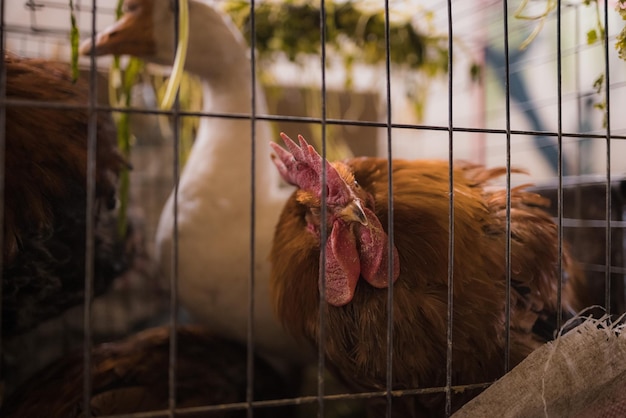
131 35
353 212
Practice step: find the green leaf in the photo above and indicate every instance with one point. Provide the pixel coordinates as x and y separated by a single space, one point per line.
74 41
599 83
620 7
476 71
592 37
620 44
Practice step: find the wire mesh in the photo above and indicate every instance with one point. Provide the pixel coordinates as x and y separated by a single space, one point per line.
496 134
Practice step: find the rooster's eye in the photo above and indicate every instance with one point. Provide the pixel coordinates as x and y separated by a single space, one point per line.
356 185
315 211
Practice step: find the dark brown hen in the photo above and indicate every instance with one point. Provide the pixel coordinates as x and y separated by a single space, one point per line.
46 191
132 376
356 310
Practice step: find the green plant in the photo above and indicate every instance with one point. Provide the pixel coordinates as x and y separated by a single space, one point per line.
74 41
620 41
355 32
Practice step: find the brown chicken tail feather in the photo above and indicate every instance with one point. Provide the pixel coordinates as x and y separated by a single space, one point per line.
479 175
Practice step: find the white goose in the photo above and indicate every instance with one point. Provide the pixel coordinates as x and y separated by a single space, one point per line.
214 194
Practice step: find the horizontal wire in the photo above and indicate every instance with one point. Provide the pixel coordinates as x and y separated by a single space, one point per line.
601 268
38 31
305 119
42 4
302 400
591 223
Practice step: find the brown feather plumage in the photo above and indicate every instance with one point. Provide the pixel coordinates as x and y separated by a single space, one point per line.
45 193
131 376
356 333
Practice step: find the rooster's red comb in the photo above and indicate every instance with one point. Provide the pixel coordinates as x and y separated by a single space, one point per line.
302 167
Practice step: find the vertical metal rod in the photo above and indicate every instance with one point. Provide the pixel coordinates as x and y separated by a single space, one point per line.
30 4
449 332
251 287
559 205
389 366
608 243
173 319
3 95
89 222
507 255
324 229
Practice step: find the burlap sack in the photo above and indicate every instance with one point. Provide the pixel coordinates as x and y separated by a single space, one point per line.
580 374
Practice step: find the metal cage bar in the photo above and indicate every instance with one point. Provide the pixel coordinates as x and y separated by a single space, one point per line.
322 317
390 216
450 329
559 318
507 250
253 195
90 231
3 87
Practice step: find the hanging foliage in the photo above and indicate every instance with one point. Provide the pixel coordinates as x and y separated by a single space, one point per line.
354 30
74 41
620 41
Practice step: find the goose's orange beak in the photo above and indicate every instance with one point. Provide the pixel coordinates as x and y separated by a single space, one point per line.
132 34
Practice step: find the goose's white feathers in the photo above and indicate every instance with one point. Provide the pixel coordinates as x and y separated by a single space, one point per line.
215 188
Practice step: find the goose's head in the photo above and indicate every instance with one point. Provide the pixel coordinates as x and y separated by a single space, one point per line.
146 30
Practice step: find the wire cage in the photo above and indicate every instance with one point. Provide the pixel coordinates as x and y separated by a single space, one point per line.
531 85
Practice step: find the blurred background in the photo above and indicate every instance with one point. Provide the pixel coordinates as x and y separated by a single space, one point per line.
40 28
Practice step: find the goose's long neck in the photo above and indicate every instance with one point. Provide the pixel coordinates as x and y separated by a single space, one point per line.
223 146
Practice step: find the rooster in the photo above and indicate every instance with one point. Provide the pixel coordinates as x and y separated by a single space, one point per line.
45 186
358 260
